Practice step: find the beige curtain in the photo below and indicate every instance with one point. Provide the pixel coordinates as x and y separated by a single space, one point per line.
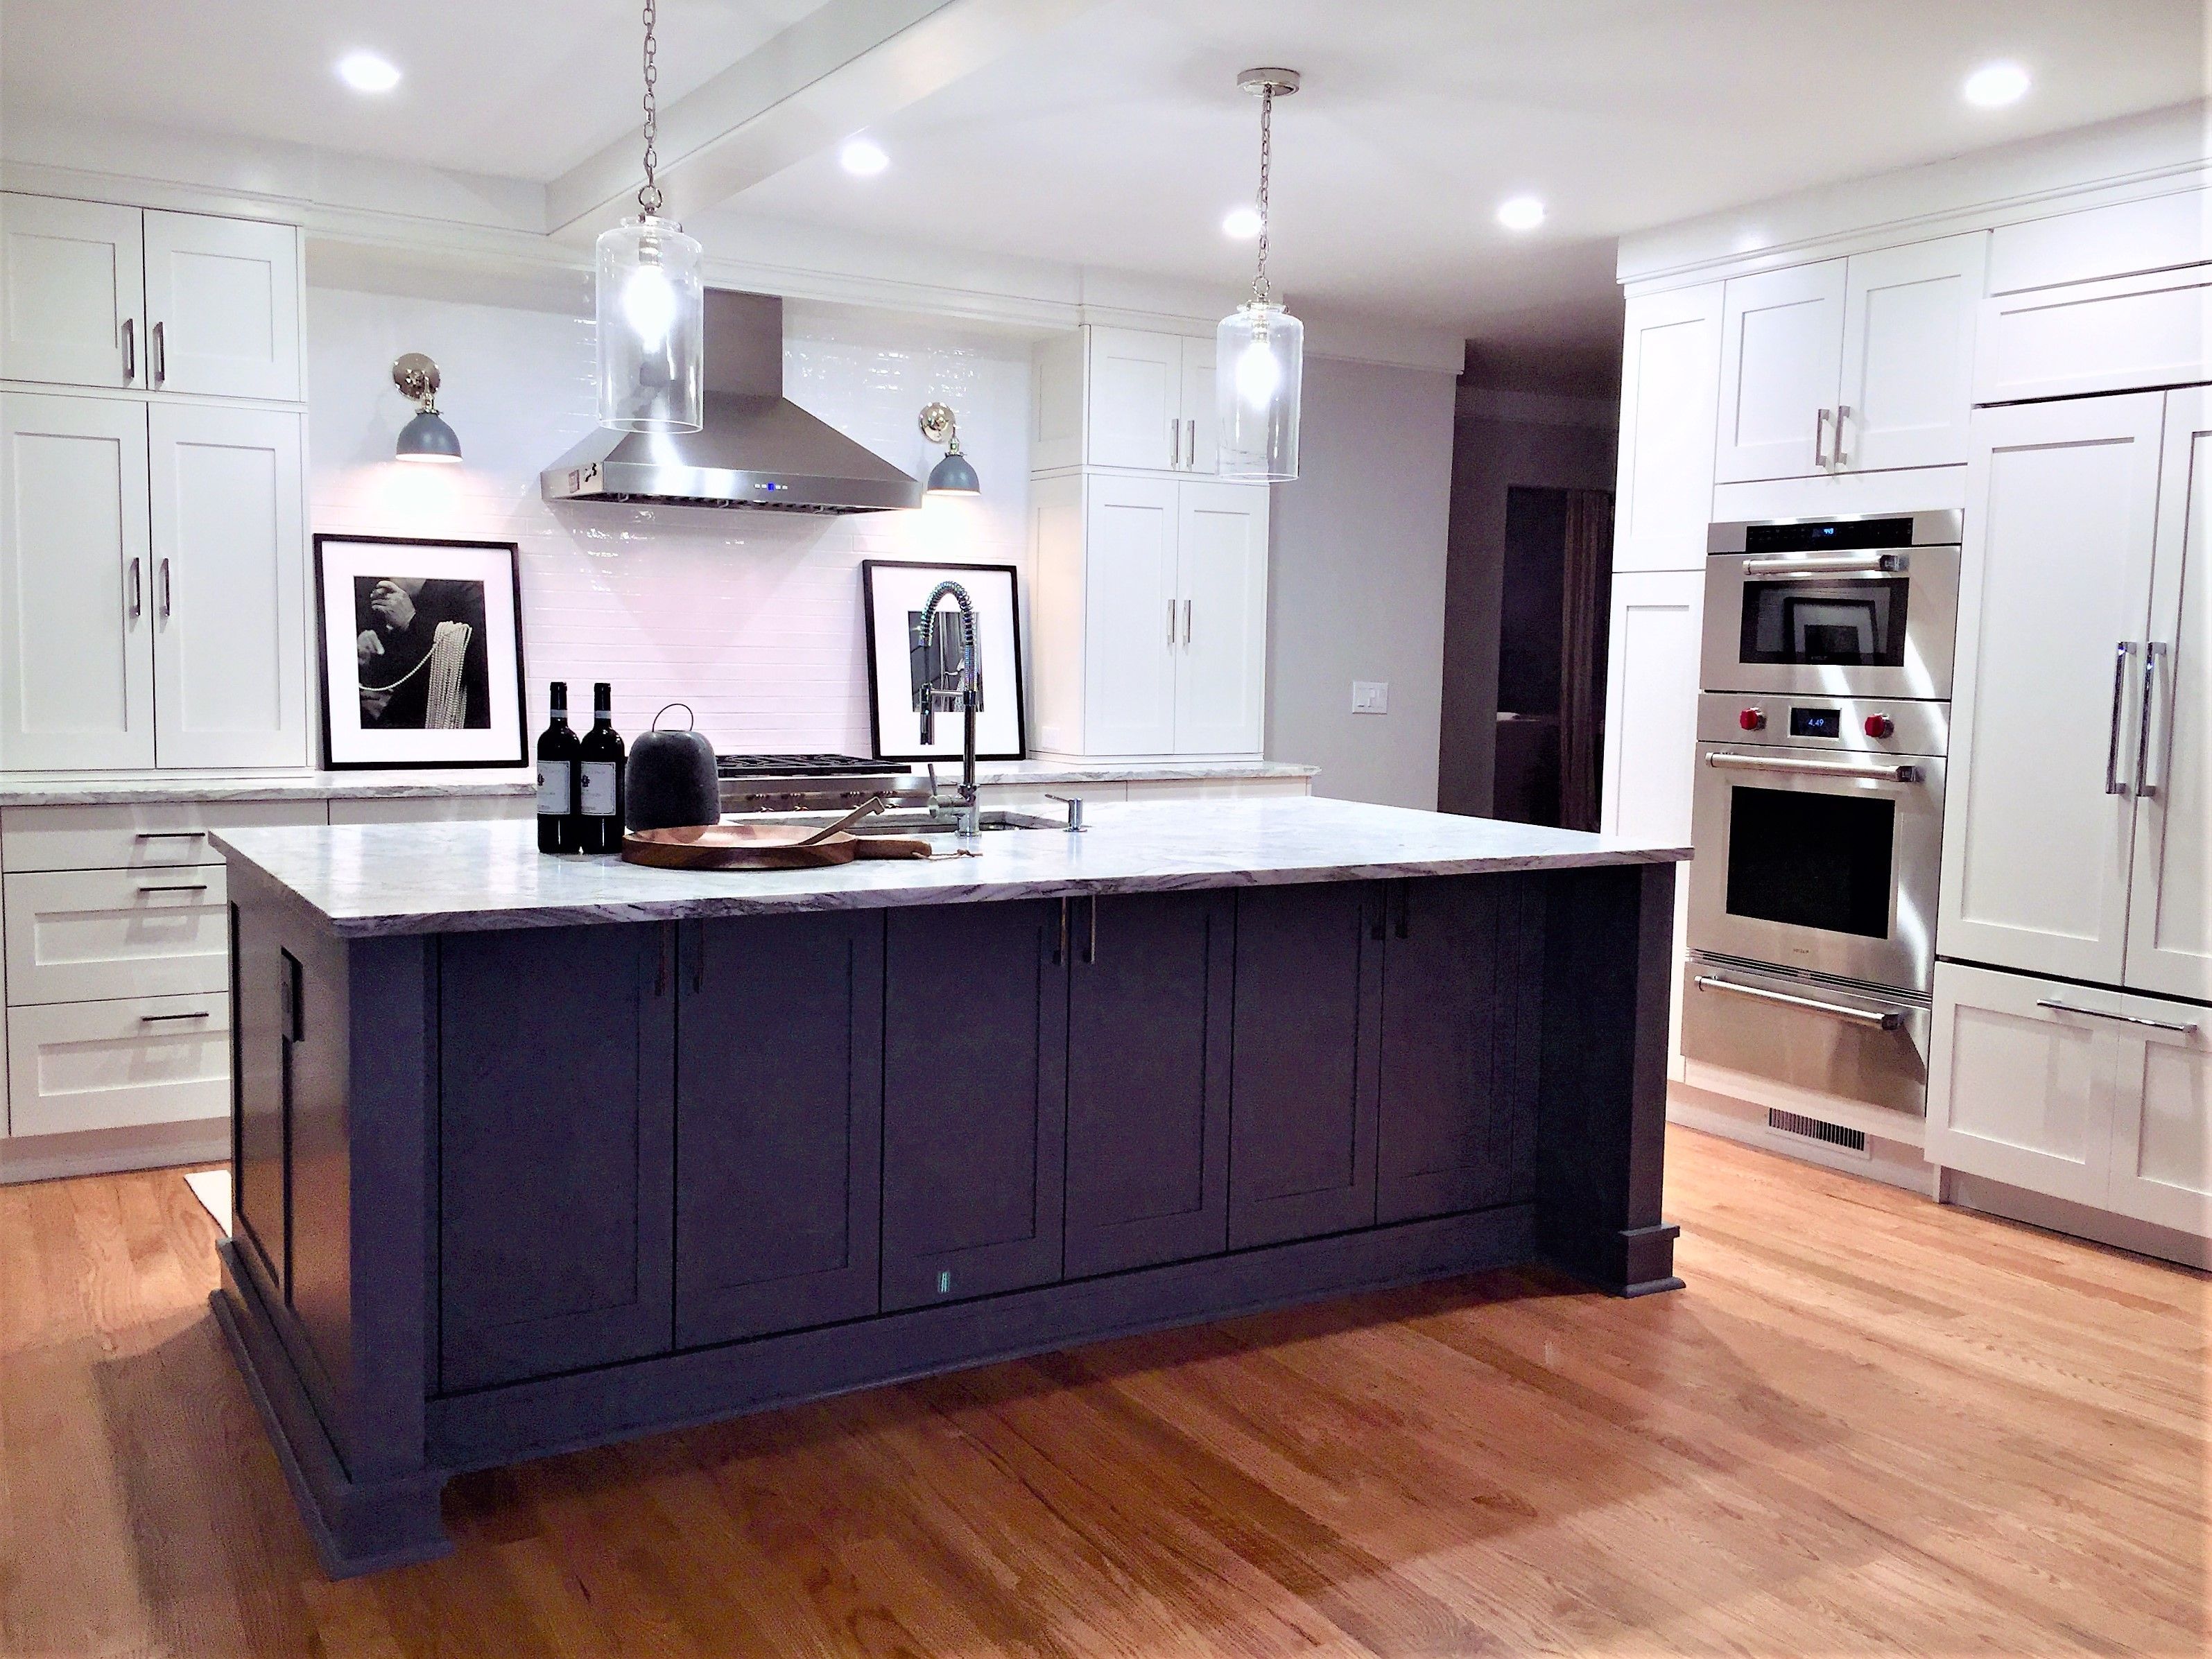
1584 604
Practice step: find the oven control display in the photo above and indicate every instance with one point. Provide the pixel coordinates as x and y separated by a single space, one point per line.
1816 723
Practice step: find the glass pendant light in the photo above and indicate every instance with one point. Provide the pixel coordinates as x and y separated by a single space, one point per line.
651 312
1260 349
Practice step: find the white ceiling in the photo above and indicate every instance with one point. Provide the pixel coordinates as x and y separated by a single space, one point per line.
1120 140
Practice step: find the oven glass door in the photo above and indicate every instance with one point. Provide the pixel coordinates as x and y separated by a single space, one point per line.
1817 869
1876 624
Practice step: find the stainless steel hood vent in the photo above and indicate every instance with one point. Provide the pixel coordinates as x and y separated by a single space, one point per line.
757 448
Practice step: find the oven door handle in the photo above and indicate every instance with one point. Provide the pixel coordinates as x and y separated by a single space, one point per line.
1814 569
1887 1020
1878 771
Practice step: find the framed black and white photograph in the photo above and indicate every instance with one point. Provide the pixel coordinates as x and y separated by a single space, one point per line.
421 652
902 657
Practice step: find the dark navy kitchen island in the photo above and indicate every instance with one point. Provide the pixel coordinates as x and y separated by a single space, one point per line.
530 1154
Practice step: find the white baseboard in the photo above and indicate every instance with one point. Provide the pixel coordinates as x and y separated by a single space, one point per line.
106 1152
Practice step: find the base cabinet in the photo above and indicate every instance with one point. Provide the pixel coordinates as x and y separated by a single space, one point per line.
779 1121
975 1099
556 1150
2101 1097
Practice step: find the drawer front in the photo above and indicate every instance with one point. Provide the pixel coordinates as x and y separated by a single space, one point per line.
433 809
75 1066
143 836
82 935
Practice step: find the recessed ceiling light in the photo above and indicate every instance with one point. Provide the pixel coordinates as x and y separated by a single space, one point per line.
364 71
1243 223
1995 85
862 158
1521 213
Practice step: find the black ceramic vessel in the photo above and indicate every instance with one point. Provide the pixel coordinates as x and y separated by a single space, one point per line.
671 781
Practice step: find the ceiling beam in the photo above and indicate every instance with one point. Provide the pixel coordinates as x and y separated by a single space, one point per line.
845 66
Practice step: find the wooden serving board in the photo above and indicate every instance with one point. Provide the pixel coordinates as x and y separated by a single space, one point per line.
760 847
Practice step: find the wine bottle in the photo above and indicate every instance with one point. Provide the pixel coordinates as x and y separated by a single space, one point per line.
557 817
604 762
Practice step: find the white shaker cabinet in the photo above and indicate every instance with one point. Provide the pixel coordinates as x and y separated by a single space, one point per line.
1651 704
2054 599
222 307
1127 398
1669 388
1150 622
1782 350
76 667
2096 1097
2170 910
1852 365
102 295
227 592
72 292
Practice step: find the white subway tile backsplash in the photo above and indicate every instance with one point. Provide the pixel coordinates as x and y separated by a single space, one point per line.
753 619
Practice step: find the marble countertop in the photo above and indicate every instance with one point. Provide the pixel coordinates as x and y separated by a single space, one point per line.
364 881
95 789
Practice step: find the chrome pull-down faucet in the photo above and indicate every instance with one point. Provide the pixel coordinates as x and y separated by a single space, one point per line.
961 694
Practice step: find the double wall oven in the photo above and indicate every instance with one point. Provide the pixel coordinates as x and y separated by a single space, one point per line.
1817 808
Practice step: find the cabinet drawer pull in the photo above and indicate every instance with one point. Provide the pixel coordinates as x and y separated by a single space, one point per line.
1885 1020
2183 1028
157 1020
173 887
170 834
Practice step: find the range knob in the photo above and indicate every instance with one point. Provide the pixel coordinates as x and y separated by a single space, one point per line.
1751 720
1879 726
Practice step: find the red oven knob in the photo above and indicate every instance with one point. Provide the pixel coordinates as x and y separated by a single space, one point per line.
1751 720
1879 726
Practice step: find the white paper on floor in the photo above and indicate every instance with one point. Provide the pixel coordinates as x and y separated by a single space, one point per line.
212 1188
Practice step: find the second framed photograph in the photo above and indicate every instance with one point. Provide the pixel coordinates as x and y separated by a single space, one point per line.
422 652
902 657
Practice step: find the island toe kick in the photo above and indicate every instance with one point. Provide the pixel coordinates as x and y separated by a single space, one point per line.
510 1192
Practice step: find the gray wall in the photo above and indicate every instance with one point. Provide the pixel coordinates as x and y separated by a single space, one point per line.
1497 445
1356 583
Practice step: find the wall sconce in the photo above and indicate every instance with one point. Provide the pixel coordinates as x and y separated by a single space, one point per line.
427 437
953 475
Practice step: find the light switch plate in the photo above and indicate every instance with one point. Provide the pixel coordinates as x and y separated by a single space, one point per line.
1371 697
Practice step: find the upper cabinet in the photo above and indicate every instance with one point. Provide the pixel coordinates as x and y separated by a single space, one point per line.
1125 398
1669 387
1849 364
102 295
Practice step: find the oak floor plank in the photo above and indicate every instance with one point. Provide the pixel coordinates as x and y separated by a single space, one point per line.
1870 1426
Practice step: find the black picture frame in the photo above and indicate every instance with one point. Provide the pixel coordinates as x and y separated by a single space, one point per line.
911 750
328 679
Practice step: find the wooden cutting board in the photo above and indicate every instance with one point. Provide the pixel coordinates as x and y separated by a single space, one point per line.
760 847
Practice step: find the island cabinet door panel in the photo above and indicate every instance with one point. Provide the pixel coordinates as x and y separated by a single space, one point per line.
1457 1121
1303 1103
779 1122
556 1073
975 1099
1148 1029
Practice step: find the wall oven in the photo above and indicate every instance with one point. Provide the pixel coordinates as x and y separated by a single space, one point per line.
1860 607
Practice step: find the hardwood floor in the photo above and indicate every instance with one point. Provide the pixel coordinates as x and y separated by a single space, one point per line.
1868 1426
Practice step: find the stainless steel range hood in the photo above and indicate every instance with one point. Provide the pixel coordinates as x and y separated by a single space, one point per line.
756 449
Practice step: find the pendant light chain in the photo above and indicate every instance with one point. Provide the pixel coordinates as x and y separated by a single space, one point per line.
648 194
1267 158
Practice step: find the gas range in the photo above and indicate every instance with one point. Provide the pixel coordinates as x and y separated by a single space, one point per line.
799 783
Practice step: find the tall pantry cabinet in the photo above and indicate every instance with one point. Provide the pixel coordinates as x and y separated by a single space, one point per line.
1149 591
153 605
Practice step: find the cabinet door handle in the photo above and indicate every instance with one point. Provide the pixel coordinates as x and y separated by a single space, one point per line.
1170 622
137 590
1190 449
1059 943
2185 1028
1842 413
2120 654
1175 445
161 355
165 606
2152 652
129 350
1821 438
1185 621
